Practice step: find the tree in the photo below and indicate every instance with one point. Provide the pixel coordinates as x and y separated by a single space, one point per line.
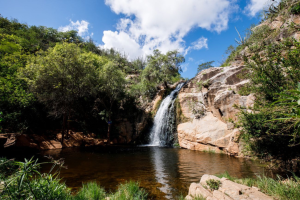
62 75
204 66
112 88
162 67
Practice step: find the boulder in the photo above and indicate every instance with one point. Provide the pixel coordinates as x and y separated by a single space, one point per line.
228 190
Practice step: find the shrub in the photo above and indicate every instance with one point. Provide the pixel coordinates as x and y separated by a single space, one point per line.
129 191
7 167
213 184
296 9
90 191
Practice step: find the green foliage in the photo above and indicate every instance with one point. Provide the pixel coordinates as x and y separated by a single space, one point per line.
61 75
213 184
242 40
29 183
45 71
7 167
90 191
296 9
291 98
274 79
129 191
204 66
160 69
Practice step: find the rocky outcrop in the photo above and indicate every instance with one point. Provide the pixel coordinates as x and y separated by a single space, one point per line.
226 190
209 102
53 141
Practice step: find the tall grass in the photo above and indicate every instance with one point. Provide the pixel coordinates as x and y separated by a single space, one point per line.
129 191
285 189
126 191
90 191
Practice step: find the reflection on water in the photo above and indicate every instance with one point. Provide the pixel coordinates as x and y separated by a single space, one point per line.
159 156
165 173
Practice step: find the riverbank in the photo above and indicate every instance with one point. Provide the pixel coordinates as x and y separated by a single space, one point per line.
52 140
226 187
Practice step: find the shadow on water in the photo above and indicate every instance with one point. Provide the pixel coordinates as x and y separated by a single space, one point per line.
165 173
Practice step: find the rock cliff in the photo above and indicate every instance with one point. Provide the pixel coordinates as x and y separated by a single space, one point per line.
208 102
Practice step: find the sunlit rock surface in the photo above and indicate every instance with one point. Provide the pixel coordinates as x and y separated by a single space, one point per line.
227 190
209 102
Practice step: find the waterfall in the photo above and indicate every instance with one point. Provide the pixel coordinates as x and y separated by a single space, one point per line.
161 133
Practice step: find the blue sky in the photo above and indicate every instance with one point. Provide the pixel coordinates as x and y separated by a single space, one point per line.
201 30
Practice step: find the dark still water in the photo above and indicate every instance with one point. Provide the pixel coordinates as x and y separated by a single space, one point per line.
165 173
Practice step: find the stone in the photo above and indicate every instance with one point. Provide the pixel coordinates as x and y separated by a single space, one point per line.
188 197
220 195
228 190
25 141
198 190
49 144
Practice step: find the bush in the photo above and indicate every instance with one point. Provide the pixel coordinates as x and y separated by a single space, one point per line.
7 167
273 75
90 191
42 188
296 9
213 184
129 191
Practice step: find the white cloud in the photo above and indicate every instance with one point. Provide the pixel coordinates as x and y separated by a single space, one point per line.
81 27
156 24
122 42
197 45
190 59
184 67
200 43
257 5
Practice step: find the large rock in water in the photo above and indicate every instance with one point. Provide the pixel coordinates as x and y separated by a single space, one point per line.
209 103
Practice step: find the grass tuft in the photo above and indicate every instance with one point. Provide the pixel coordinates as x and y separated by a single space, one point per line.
90 191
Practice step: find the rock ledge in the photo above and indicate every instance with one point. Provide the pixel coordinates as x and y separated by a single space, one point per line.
228 190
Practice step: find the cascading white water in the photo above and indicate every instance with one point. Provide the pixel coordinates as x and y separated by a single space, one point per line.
161 132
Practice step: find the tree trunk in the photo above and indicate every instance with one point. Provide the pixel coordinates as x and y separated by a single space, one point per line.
63 129
109 126
68 125
166 84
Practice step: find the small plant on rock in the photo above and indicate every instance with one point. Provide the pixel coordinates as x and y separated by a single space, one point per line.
213 184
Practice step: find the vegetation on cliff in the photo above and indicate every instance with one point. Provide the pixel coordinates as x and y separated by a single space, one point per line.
43 71
271 55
